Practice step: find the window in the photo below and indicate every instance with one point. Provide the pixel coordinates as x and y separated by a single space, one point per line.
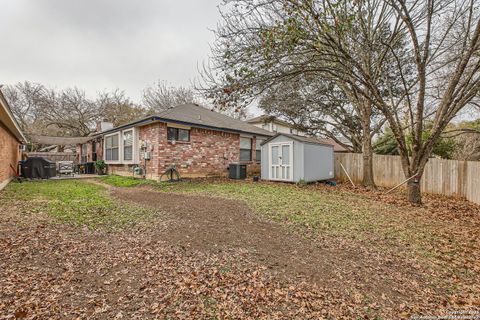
84 154
245 149
258 150
128 145
176 134
111 148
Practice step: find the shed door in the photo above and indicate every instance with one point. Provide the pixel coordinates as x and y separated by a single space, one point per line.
281 161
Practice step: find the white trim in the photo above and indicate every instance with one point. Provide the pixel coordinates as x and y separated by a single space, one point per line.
122 160
120 153
270 164
179 126
4 183
135 147
6 109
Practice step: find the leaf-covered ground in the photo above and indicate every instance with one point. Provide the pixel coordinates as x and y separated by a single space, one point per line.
218 249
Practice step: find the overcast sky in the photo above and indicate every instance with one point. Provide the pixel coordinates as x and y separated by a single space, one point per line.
105 44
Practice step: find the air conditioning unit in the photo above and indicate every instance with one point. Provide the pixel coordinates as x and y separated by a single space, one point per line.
237 171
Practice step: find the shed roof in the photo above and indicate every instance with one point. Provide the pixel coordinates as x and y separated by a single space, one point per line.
312 140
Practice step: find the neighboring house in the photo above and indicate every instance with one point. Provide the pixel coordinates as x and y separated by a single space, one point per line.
336 146
200 142
11 140
275 125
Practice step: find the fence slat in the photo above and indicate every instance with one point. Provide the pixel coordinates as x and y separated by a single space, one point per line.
441 176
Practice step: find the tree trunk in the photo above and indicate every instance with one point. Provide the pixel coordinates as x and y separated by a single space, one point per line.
368 180
367 148
413 191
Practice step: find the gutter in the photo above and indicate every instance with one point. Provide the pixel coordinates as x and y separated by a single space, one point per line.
165 120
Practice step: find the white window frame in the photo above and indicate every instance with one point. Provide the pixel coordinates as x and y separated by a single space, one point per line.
133 146
120 153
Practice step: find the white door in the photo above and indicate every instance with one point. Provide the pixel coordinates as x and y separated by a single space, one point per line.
281 161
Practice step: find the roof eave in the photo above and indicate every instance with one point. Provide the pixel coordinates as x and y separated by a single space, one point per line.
14 128
296 139
153 119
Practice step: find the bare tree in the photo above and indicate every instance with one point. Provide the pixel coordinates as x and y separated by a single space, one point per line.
70 111
161 96
67 112
118 109
266 42
415 61
439 70
24 99
316 108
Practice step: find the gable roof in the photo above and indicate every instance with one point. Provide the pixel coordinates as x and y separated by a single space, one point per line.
197 116
8 120
311 140
315 140
336 146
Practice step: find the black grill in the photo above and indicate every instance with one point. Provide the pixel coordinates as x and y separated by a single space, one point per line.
38 168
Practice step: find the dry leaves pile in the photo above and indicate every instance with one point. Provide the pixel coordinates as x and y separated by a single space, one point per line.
56 271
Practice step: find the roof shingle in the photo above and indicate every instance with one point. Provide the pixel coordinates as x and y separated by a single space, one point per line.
195 114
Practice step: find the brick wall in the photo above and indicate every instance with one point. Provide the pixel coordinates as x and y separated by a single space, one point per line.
208 153
98 148
78 152
9 155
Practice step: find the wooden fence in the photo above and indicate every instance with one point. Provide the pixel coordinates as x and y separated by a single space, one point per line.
447 177
55 156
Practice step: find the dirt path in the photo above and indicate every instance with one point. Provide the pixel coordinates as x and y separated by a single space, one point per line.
219 225
216 225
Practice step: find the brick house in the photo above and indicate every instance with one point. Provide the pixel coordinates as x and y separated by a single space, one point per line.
11 139
200 142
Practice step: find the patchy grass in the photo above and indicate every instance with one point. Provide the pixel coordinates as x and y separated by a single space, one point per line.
365 238
119 181
77 202
305 208
330 211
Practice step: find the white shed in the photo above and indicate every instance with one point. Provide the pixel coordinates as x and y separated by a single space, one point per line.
292 158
